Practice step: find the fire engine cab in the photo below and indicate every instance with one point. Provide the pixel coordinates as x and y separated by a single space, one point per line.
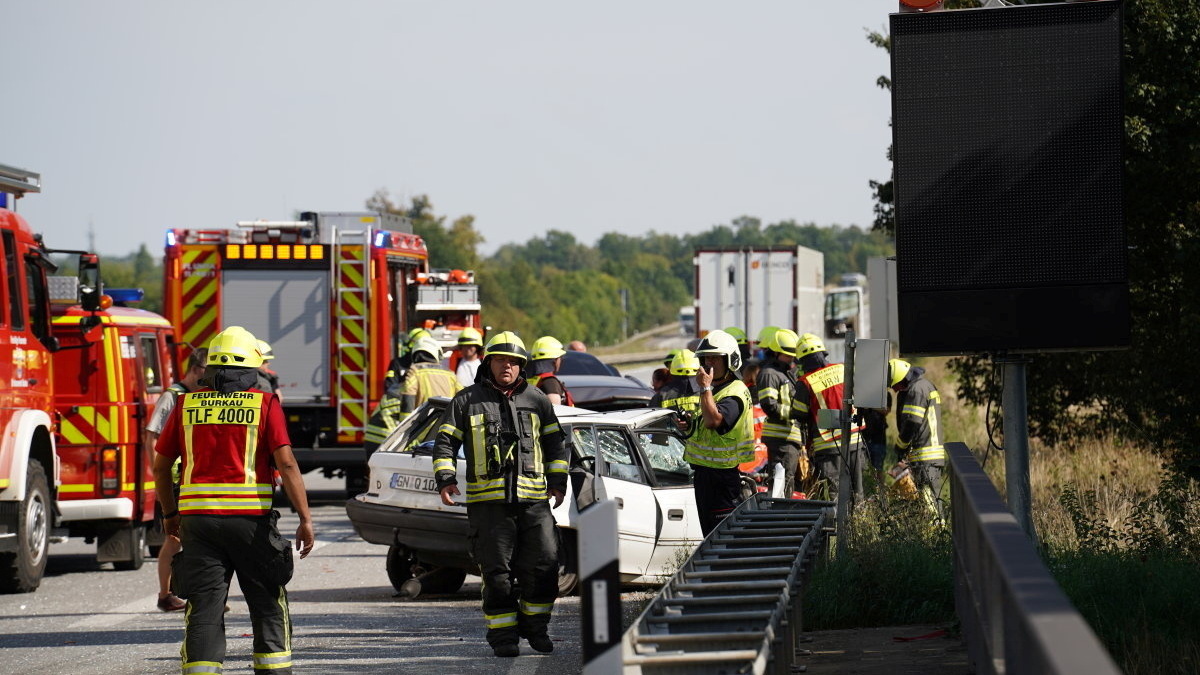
74 394
333 294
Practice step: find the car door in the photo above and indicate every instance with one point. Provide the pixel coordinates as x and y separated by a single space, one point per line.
679 523
621 478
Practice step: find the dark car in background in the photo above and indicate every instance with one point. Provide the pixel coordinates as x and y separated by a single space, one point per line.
595 385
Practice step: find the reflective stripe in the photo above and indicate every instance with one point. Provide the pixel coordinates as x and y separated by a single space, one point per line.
479 447
272 661
534 608
202 667
500 620
443 464
557 466
928 453
549 429
915 410
452 430
224 496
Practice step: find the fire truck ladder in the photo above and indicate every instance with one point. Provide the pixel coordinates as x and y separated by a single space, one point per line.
350 280
734 606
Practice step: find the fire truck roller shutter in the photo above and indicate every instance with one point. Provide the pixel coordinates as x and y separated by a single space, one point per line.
290 310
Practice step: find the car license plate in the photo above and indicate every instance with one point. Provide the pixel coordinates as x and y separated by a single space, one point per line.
404 481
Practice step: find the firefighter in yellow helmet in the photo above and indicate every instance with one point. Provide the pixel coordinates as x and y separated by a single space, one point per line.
268 379
821 385
425 379
231 438
470 355
919 431
742 341
724 434
546 359
680 393
776 390
398 367
516 462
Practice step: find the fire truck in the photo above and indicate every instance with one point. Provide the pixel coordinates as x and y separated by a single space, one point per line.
333 294
77 379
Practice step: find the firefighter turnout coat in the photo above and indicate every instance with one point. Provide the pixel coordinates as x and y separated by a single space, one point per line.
918 423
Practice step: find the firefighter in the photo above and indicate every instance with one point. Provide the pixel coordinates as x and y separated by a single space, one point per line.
516 462
197 360
776 389
680 392
268 380
821 386
918 431
426 377
742 341
398 367
723 436
470 346
547 359
231 438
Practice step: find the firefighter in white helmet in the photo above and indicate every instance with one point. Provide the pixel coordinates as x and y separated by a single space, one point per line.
724 434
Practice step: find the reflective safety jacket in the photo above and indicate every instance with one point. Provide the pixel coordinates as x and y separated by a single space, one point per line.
226 443
918 423
679 394
824 388
707 447
424 381
513 444
386 418
540 381
776 389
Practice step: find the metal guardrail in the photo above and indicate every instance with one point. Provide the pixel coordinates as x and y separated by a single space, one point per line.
1015 617
735 605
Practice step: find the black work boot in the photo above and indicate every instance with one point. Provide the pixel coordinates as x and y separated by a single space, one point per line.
540 643
506 650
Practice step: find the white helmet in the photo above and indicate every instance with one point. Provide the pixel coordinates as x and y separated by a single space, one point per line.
720 342
429 346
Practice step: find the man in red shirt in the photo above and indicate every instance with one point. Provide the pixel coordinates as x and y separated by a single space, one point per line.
231 438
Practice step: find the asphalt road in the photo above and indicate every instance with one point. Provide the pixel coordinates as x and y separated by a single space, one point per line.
87 617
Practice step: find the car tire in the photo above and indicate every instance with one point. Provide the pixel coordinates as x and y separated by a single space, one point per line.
21 571
399 566
568 564
447 580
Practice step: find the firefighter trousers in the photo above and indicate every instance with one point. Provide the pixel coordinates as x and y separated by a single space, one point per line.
718 492
516 548
828 464
928 477
214 549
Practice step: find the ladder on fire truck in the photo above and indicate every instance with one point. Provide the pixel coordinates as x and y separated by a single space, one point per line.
350 280
734 606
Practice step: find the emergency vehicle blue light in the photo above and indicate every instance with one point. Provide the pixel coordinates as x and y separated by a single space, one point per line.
170 238
123 295
383 239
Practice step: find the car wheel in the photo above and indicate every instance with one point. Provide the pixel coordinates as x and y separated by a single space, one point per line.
568 564
399 566
443 580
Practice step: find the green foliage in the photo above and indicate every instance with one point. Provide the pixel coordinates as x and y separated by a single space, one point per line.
1149 393
898 569
136 270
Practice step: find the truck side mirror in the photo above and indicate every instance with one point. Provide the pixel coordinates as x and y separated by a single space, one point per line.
90 287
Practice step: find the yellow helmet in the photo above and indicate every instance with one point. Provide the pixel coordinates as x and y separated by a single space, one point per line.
265 350
720 342
470 336
737 333
234 346
547 347
897 370
765 333
671 357
809 344
782 341
507 343
685 363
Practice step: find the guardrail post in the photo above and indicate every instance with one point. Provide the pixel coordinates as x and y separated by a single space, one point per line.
601 589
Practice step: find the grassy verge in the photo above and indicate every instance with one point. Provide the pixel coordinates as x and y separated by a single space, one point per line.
1119 533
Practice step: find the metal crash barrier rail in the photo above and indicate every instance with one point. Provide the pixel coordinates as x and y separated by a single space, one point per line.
735 605
1015 617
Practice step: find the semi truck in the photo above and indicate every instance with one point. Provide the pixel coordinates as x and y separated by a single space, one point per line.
78 377
755 287
334 294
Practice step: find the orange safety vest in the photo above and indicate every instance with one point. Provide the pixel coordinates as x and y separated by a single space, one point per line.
828 387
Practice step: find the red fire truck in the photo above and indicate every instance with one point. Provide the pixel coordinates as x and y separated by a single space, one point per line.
333 294
76 384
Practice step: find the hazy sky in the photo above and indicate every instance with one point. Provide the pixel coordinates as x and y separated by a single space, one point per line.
625 116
